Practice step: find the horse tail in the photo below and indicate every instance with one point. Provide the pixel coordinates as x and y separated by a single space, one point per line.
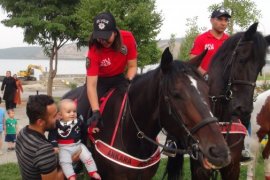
174 167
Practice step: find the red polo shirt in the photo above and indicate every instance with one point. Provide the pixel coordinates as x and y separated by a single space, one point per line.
106 62
207 41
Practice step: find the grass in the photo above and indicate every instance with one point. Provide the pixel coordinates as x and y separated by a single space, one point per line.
264 77
11 171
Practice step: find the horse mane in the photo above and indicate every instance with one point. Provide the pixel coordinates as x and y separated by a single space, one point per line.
176 67
223 54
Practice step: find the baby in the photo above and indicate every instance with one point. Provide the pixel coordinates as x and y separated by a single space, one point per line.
67 137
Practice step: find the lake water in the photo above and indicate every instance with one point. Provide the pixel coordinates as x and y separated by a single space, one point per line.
64 66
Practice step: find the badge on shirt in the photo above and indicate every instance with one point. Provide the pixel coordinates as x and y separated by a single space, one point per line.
87 62
124 50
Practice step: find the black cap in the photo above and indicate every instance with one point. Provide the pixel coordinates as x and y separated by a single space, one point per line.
104 25
220 12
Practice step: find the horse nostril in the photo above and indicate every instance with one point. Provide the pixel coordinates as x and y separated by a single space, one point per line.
213 151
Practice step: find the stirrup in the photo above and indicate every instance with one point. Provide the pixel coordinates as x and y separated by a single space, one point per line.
170 144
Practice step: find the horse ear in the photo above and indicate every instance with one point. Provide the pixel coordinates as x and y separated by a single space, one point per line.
166 60
267 38
196 61
251 31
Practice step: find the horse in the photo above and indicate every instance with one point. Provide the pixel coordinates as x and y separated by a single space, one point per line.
232 78
173 98
260 127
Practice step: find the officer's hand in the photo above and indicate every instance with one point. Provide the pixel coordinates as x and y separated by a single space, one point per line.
94 119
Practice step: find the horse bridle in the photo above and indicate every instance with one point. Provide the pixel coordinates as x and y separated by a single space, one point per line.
193 149
228 95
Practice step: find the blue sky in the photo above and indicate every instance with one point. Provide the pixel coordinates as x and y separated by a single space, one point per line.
175 13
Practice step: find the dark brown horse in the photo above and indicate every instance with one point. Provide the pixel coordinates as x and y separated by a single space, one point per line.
232 79
173 97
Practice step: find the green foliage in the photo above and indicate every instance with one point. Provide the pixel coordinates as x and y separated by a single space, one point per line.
243 13
10 171
171 43
192 31
51 24
137 16
44 22
72 85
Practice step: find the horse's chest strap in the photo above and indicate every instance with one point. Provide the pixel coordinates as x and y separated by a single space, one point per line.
119 157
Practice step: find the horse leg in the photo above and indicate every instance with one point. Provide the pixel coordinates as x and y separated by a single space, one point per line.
261 134
266 149
232 171
174 166
267 169
254 147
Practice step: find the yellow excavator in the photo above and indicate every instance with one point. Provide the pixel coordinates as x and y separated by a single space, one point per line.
28 74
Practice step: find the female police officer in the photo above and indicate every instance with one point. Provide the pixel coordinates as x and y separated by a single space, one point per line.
111 51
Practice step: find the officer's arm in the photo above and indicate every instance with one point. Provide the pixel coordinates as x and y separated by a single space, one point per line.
92 92
131 69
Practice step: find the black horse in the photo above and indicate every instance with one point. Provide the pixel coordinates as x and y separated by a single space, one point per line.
174 97
232 79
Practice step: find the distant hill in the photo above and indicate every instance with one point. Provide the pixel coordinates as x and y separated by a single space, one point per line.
20 53
68 51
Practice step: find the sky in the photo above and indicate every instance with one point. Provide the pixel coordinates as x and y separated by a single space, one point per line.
174 12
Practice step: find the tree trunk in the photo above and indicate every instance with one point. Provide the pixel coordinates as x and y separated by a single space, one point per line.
52 69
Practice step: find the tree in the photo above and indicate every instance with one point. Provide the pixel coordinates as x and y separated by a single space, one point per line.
50 24
191 33
137 16
243 13
171 43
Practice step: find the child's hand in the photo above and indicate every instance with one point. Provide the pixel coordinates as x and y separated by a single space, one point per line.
56 150
95 130
76 156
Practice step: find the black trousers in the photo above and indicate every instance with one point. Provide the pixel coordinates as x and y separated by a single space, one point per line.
107 83
103 86
9 104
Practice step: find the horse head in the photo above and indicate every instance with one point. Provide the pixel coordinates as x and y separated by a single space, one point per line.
185 111
233 73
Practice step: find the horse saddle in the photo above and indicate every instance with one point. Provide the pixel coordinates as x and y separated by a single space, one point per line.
115 155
